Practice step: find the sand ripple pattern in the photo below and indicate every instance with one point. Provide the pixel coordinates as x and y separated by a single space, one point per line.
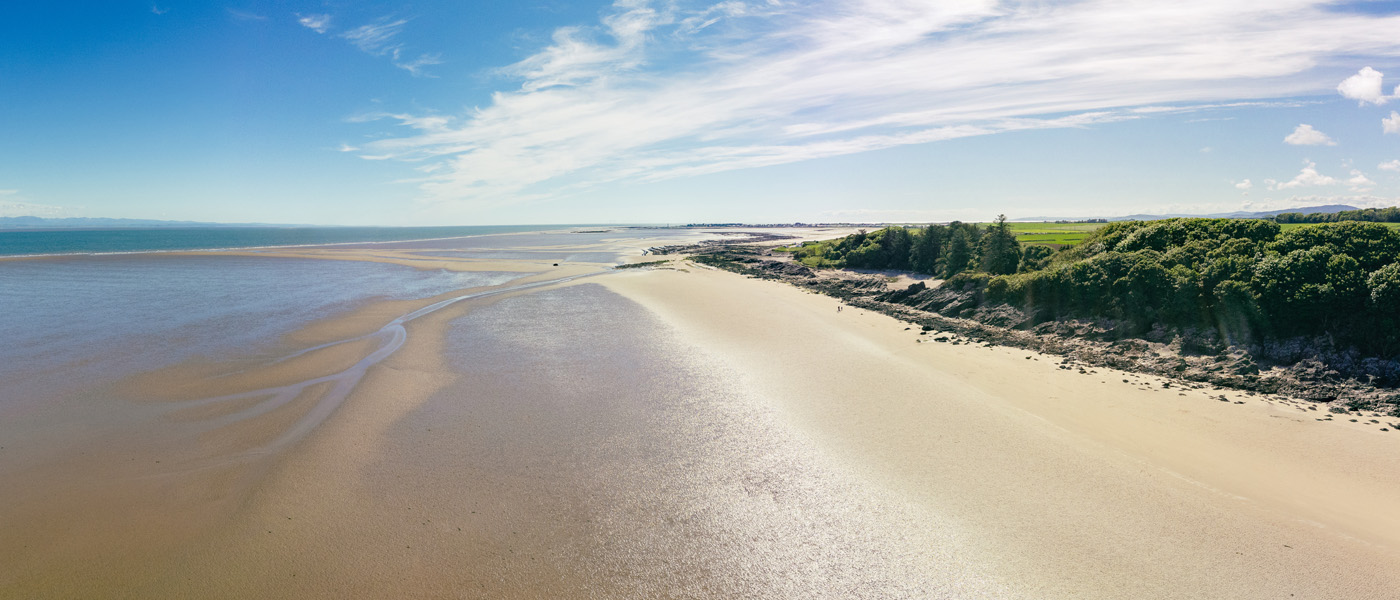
389 339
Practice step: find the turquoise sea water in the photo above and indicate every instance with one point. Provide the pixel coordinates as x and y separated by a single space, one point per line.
102 241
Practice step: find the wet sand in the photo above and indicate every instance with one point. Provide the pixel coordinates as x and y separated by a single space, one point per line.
690 433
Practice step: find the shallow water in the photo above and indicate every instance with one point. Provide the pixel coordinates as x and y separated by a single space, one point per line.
96 241
76 322
611 242
559 255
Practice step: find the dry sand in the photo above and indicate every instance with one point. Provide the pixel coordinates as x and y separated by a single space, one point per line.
692 433
1077 485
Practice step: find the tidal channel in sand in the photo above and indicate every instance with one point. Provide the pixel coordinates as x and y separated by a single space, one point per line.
690 433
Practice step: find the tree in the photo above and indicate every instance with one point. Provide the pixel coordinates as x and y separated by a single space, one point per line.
1371 244
959 253
1384 304
895 245
1384 286
1035 258
1236 311
1304 290
1001 253
928 245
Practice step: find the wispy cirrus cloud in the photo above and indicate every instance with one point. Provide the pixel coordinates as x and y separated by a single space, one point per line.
380 38
658 91
416 66
377 38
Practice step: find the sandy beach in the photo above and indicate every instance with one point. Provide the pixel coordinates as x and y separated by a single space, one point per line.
737 299
684 432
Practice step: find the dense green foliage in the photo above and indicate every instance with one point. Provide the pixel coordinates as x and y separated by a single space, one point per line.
1373 215
935 249
639 265
1248 280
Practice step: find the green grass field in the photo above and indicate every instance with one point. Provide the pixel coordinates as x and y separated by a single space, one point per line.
1058 235
1055 235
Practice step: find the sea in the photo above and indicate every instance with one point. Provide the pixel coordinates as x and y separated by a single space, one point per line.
80 309
79 306
40 242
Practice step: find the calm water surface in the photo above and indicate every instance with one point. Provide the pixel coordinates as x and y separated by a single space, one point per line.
72 322
101 241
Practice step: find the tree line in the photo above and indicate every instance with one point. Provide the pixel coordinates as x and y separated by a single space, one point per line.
941 250
1371 215
1246 279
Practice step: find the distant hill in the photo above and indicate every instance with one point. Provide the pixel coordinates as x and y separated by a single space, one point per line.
103 223
1268 214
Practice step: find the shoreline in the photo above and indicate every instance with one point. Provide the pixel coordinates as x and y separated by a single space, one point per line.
215 422
1309 380
1257 465
1033 481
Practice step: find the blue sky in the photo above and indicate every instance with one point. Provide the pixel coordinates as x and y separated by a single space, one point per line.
547 111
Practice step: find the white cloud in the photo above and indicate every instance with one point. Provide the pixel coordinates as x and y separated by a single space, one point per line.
653 91
1307 177
1391 124
881 215
1266 204
1305 135
1364 87
1393 165
317 23
1359 182
156 10
1359 201
1244 185
11 205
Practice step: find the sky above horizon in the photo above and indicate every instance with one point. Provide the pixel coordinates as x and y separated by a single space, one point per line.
549 111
